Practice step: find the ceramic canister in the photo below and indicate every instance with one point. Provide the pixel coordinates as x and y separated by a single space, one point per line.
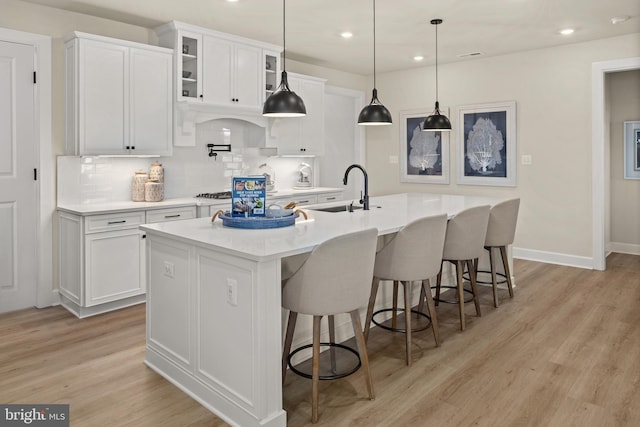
137 186
156 173
153 191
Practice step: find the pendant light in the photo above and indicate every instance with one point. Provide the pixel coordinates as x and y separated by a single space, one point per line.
284 102
375 113
436 121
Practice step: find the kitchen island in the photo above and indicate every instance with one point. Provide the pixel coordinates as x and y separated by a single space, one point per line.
214 324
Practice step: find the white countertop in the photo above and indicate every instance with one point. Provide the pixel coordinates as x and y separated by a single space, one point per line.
388 214
115 207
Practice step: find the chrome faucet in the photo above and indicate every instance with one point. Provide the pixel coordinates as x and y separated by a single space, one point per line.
364 198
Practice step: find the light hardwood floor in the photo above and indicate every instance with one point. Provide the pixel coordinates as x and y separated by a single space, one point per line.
564 352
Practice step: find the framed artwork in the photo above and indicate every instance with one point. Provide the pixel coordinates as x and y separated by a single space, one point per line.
487 144
424 156
632 150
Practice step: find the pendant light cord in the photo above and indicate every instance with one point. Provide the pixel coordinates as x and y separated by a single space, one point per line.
436 63
284 34
374 44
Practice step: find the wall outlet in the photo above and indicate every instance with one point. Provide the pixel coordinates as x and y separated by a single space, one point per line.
232 291
527 159
168 269
393 160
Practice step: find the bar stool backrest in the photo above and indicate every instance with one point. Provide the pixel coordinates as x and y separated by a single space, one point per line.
415 252
502 223
466 233
336 278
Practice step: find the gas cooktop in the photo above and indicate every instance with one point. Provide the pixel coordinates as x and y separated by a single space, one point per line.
219 195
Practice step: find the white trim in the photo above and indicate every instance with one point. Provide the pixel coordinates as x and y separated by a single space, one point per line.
598 140
553 258
44 162
624 248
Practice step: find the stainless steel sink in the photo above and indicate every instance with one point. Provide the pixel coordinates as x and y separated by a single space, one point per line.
341 208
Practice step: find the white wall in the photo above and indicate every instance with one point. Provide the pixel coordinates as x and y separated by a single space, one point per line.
624 105
552 90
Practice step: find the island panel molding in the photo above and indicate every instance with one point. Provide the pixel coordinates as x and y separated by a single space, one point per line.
486 151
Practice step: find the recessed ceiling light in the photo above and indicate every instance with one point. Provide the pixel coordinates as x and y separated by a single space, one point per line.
231 1
567 31
619 19
418 58
346 34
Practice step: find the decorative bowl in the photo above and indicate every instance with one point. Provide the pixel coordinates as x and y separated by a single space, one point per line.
186 74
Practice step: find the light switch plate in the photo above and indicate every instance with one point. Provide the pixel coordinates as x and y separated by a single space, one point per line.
527 159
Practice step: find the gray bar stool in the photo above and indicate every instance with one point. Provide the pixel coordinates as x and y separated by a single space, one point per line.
413 254
500 234
335 278
463 245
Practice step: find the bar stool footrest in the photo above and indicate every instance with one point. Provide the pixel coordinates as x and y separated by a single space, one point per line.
342 349
400 310
449 301
498 282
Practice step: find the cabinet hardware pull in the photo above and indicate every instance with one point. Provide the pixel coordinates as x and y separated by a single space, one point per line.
303 201
144 236
116 222
172 216
331 198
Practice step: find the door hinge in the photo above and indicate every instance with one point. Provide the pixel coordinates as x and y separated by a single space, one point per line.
35 174
34 77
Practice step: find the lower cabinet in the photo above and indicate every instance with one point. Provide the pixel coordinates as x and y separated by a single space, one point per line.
102 258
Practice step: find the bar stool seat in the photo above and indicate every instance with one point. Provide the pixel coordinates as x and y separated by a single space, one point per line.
333 279
413 254
463 245
501 232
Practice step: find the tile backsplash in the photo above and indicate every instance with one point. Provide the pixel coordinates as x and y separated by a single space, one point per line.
189 171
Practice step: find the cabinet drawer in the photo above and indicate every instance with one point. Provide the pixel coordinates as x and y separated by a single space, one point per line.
170 214
119 221
301 200
329 197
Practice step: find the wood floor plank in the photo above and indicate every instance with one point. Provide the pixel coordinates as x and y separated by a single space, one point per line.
565 351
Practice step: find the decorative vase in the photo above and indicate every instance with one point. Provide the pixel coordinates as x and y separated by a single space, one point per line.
137 186
153 191
156 173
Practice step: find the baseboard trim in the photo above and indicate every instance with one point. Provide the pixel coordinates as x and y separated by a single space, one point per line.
624 248
553 258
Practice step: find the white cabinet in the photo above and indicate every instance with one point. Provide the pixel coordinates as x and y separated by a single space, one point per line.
302 135
117 97
217 69
233 73
102 258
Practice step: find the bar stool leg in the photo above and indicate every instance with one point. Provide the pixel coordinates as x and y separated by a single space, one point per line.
426 290
460 284
291 326
394 312
362 350
494 281
505 262
372 302
332 340
315 369
407 320
472 266
438 282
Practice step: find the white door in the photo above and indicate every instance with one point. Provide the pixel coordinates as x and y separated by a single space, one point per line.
18 254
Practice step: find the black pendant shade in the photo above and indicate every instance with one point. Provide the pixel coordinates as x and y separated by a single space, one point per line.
436 121
284 102
374 114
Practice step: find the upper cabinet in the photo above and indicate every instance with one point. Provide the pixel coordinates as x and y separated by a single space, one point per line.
302 136
118 97
219 70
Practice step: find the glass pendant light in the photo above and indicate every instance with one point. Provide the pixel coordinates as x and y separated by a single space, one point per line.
375 113
284 102
436 121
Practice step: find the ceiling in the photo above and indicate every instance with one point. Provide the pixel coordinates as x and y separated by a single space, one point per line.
403 29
